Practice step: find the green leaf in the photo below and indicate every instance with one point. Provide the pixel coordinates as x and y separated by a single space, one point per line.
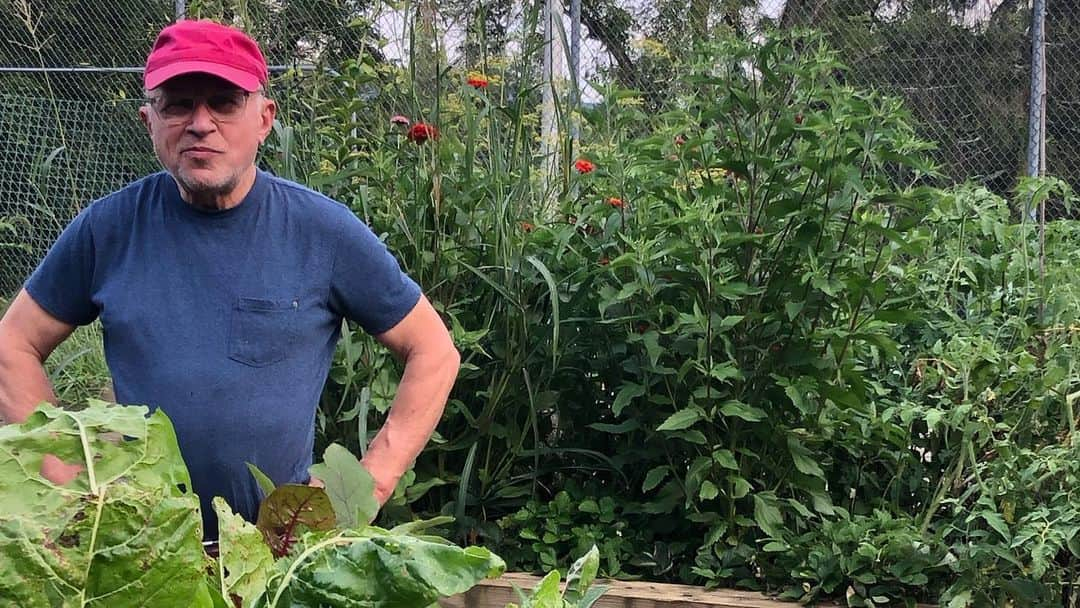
125 532
740 486
996 522
244 555
767 516
804 460
654 477
682 419
345 570
616 429
726 459
350 487
737 409
628 392
708 491
581 575
264 481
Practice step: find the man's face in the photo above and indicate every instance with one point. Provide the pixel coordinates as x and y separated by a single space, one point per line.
206 132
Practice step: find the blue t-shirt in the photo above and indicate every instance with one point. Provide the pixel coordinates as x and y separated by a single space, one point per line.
225 320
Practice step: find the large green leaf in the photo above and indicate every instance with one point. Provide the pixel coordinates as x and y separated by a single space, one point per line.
350 486
379 572
245 558
126 532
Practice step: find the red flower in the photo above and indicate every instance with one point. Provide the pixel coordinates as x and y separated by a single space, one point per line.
527 227
799 118
679 140
421 132
618 203
477 81
584 166
398 119
604 261
642 327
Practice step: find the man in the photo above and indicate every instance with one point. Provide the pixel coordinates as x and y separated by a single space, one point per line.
221 290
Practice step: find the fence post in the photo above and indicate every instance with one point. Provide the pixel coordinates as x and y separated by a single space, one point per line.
549 128
575 63
1037 101
180 9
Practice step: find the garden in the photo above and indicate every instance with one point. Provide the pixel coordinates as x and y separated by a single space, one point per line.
743 337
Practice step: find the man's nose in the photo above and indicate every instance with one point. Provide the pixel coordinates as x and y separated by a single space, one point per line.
201 121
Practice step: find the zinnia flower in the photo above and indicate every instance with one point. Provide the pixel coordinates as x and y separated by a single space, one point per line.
398 119
618 203
421 132
477 80
584 166
527 227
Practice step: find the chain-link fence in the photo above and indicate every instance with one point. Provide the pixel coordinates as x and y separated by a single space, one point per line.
70 74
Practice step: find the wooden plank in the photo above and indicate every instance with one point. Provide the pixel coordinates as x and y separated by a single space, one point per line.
621 594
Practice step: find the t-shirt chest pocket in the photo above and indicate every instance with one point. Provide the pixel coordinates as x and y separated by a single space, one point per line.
262 330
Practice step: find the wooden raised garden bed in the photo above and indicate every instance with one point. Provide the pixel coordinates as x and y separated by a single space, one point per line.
621 594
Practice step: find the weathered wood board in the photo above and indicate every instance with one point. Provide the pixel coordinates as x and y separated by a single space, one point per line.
497 593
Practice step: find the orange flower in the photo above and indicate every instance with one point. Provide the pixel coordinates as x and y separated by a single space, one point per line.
618 203
421 132
584 166
604 261
527 227
477 81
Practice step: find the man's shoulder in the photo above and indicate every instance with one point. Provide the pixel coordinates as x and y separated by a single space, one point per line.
140 191
307 200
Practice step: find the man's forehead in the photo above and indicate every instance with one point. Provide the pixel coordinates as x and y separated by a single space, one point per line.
197 82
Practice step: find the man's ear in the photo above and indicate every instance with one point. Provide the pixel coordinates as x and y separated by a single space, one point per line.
267 115
144 116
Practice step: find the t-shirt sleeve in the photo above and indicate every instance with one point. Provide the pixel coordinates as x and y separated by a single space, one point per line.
62 282
367 284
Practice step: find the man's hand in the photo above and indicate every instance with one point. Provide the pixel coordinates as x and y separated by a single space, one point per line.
58 471
315 482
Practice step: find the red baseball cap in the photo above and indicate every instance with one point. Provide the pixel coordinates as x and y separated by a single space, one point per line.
208 47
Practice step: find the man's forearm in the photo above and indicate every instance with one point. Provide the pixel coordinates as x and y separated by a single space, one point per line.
23 385
414 414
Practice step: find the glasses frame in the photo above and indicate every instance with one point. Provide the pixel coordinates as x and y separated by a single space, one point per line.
155 102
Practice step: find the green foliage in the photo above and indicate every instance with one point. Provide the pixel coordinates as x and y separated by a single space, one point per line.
127 531
752 348
124 532
578 592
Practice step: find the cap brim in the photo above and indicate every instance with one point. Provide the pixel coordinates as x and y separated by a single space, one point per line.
242 79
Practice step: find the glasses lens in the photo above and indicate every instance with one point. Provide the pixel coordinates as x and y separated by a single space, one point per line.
226 106
223 106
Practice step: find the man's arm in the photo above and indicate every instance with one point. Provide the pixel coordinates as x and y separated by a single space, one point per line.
431 366
28 334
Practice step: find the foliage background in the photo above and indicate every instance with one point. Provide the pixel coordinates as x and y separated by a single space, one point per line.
767 342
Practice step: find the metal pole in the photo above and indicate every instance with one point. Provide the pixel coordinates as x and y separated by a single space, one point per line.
548 128
1037 102
180 9
575 61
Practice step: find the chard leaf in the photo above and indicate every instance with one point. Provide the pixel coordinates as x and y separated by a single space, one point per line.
244 556
289 511
350 486
380 572
125 532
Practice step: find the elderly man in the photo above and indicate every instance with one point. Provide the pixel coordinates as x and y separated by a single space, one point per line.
221 290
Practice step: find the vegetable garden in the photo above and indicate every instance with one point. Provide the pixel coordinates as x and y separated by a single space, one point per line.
742 338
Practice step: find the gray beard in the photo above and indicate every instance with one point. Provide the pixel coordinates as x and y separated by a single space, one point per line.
205 195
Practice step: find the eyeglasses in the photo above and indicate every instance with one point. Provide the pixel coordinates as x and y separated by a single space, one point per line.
223 107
